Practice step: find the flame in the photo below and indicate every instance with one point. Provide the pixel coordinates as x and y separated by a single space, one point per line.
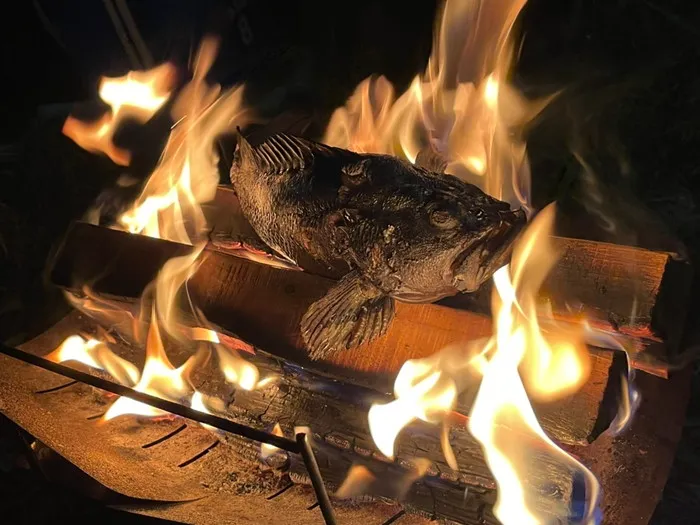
267 450
523 357
95 354
238 371
357 482
421 393
548 363
201 403
137 95
169 207
462 107
187 175
159 378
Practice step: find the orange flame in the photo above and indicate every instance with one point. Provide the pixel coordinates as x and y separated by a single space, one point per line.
187 175
170 207
357 482
159 378
95 354
551 362
267 450
137 95
462 107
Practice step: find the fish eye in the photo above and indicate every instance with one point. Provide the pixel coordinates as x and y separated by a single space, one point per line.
354 174
442 219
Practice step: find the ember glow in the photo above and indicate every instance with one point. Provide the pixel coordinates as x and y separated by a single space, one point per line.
462 108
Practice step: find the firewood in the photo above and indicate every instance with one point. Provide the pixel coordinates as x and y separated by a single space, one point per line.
264 305
336 413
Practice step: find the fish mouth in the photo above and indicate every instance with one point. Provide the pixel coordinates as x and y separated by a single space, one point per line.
481 259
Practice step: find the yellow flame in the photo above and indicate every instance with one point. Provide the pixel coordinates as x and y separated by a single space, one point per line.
137 95
187 175
202 403
238 371
159 378
267 450
95 354
462 106
421 393
522 357
357 482
170 207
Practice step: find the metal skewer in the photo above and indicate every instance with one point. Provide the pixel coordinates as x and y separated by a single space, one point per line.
299 446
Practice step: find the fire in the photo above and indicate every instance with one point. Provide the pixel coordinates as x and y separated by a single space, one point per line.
95 354
522 349
169 207
462 107
159 378
137 95
187 175
267 450
522 358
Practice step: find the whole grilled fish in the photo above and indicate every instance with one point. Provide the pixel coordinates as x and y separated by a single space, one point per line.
396 231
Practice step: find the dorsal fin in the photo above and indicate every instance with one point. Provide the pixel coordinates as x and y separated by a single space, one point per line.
244 152
282 153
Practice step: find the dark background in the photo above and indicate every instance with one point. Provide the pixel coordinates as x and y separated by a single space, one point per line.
629 109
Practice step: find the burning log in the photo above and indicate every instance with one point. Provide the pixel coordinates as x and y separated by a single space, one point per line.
35 399
264 305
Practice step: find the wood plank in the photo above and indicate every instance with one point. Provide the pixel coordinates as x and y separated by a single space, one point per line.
264 305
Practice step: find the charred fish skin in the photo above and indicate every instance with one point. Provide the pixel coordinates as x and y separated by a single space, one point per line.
394 230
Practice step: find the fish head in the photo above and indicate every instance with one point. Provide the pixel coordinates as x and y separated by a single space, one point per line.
489 250
458 239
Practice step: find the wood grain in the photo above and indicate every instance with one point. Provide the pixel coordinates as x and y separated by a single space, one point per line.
264 305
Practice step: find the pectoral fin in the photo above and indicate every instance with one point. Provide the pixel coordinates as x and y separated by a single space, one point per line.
353 312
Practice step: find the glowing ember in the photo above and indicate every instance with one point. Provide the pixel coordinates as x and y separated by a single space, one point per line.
462 107
137 95
95 354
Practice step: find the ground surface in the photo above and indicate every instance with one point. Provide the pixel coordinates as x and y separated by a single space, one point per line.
630 110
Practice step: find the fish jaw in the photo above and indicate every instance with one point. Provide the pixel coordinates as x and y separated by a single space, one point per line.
482 258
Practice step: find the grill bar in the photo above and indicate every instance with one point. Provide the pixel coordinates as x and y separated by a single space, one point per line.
299 446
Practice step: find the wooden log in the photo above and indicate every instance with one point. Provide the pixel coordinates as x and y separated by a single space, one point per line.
336 413
641 296
264 305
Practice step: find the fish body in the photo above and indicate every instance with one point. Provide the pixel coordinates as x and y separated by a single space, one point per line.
392 230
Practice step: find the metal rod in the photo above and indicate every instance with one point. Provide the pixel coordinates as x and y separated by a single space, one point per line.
169 406
309 457
300 446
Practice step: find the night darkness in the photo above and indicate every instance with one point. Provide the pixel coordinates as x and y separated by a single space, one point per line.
629 110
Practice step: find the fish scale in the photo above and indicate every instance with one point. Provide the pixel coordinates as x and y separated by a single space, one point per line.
387 229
